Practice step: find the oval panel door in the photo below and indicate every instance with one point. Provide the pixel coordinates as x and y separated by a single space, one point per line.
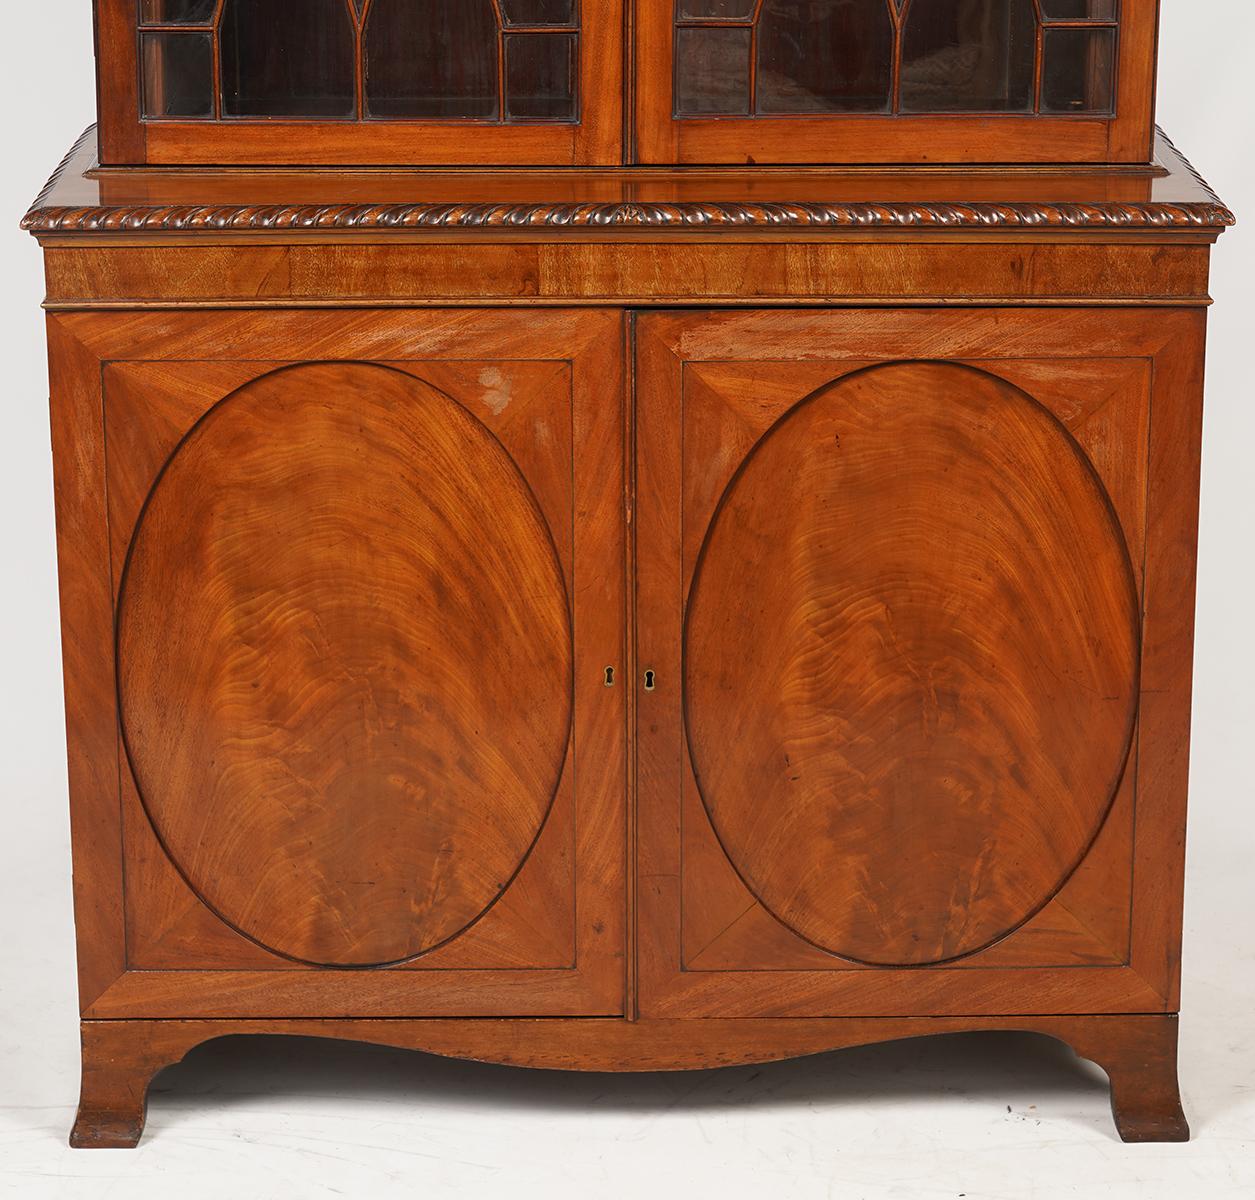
345 664
911 663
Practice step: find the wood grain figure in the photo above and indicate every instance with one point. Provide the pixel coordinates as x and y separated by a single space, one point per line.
339 586
614 536
910 668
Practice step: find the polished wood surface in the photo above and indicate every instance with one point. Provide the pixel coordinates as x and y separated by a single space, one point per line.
910 657
709 946
860 270
679 236
1091 397
339 584
120 1058
535 404
1165 194
434 601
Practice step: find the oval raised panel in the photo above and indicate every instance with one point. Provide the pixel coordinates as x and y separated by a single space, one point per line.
345 664
911 663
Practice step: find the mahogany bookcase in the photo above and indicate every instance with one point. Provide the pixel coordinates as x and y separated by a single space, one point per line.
627 536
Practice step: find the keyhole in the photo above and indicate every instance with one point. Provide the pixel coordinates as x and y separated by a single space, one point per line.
649 681
609 677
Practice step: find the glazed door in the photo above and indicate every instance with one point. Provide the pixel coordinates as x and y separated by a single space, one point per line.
915 672
892 81
367 592
361 81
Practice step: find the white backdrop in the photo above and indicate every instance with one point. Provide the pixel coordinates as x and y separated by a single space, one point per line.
926 1120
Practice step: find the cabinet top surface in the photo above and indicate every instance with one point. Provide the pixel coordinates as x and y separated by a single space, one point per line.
83 198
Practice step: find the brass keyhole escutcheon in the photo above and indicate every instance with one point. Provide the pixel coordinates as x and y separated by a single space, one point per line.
609 677
650 681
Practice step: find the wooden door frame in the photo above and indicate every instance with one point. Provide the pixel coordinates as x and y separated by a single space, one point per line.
1128 137
1172 341
592 342
128 139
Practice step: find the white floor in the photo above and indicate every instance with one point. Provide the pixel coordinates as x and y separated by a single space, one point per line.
985 1115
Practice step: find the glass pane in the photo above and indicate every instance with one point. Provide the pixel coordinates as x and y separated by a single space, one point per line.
719 10
432 58
281 59
538 12
1079 10
1077 71
969 56
178 74
830 56
712 71
177 12
540 76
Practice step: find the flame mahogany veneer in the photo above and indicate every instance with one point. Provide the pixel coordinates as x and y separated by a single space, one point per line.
626 618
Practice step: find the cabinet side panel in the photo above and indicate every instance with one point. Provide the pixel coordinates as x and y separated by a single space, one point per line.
87 653
1168 653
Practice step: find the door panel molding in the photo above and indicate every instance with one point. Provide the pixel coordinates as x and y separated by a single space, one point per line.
553 943
707 947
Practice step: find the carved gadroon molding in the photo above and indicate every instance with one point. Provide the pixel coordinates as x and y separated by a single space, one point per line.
46 217
632 214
